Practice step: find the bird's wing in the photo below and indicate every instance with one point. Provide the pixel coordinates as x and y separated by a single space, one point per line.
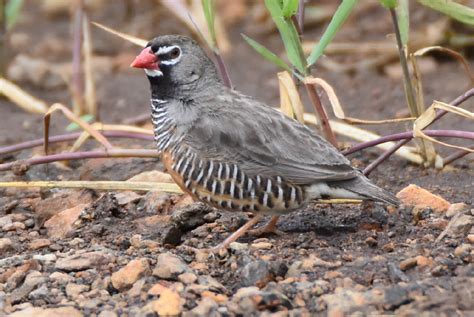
264 142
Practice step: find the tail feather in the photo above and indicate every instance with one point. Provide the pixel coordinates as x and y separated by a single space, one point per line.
363 187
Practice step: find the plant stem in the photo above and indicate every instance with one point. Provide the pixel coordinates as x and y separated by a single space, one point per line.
384 156
406 74
222 68
321 114
456 155
70 137
79 156
456 102
77 85
3 38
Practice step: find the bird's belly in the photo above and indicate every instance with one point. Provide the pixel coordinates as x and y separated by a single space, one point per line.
225 186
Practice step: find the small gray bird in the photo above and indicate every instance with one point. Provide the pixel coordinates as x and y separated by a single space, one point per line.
233 152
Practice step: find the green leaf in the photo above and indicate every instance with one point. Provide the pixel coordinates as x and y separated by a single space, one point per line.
289 8
12 11
74 126
266 53
274 7
292 43
338 19
209 13
389 4
403 18
455 10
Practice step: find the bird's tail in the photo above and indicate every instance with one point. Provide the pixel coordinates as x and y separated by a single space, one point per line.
364 188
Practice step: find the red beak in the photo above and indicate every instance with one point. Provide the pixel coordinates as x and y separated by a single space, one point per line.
146 59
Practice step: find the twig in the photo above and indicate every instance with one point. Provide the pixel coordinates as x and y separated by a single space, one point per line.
3 38
456 156
409 135
456 102
222 68
70 137
77 85
321 114
79 156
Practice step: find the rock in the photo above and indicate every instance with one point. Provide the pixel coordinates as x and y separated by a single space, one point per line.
187 278
415 196
17 275
256 273
14 226
62 223
169 266
458 227
422 261
395 274
470 238
169 304
456 208
463 250
73 289
45 258
251 299
5 220
237 246
371 242
136 288
261 246
83 261
39 293
190 216
32 280
309 264
60 277
408 264
205 307
107 313
39 244
48 312
157 289
128 275
152 176
35 71
127 197
5 245
211 284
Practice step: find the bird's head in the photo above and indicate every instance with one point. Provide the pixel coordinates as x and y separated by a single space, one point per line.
176 62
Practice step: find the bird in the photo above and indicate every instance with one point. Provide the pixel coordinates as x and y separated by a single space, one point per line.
233 152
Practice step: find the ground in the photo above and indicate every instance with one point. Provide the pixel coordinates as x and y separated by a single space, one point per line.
135 254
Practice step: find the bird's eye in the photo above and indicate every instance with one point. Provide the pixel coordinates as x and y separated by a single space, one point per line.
175 53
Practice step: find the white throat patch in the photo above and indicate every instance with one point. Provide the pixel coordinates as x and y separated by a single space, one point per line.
153 72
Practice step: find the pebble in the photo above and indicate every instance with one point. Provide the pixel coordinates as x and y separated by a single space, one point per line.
128 275
83 261
169 266
73 290
187 278
60 277
107 313
255 273
456 208
39 244
371 242
5 220
32 280
61 224
14 226
45 258
462 250
470 238
237 246
48 312
169 304
205 307
408 264
422 261
417 197
261 246
5 245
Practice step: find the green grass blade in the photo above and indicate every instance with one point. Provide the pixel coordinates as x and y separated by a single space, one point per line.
209 14
74 126
389 4
289 8
274 7
403 18
455 10
12 11
338 19
292 43
266 53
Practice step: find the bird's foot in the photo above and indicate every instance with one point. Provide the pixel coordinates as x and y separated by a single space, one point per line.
269 228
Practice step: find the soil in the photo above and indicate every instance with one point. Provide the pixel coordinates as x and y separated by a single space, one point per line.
331 260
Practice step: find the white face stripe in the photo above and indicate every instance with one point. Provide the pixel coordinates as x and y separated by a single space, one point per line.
167 49
153 72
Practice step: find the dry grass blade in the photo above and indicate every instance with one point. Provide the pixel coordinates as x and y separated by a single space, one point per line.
99 185
361 135
71 116
337 108
106 127
451 53
132 39
290 102
21 98
429 115
89 94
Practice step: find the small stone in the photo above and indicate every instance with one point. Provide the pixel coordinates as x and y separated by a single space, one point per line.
456 208
5 245
422 261
470 238
60 277
261 246
29 223
14 226
39 293
107 313
237 246
408 264
462 250
389 247
45 258
5 220
395 274
48 312
73 290
205 307
169 304
330 275
39 244
128 275
256 273
187 278
415 196
32 280
371 242
62 223
83 261
157 289
169 266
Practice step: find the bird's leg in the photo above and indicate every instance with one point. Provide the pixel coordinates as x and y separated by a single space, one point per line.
240 232
270 227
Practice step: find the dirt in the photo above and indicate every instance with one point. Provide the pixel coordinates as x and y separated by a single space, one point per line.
331 260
